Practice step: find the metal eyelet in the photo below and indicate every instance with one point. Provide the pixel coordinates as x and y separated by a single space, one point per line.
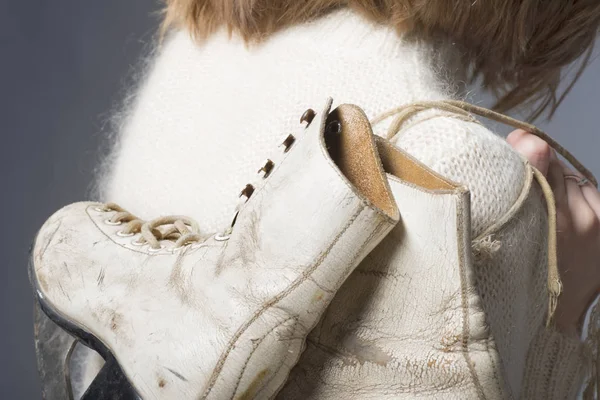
334 127
137 243
221 238
123 234
267 168
288 142
247 191
109 222
307 117
153 250
100 209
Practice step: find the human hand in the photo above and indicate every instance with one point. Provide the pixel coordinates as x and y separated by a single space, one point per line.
578 229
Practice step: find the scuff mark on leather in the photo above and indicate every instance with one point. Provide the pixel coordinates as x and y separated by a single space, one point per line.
364 351
254 386
178 280
318 296
132 279
177 374
320 286
67 269
442 363
49 240
100 278
355 351
63 291
113 319
248 247
451 343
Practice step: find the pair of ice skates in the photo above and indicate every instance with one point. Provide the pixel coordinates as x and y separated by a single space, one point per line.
177 315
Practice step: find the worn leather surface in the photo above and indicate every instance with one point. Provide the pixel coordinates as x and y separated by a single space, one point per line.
408 323
224 319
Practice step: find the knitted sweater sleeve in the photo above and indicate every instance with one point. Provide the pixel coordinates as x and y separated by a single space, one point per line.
537 363
555 367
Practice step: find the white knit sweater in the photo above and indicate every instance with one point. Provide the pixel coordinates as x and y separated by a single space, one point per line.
208 115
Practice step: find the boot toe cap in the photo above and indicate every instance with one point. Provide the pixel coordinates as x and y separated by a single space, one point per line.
59 241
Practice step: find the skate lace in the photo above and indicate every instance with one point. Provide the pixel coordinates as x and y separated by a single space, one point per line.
181 229
464 111
176 228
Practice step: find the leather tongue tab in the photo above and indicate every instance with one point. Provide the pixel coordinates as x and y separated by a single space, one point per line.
351 144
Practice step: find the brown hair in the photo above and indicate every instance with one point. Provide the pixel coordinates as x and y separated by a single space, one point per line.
518 47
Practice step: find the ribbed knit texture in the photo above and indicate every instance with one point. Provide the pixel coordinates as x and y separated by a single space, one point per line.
208 115
555 372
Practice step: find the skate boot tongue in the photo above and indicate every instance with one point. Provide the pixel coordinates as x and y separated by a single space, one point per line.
349 139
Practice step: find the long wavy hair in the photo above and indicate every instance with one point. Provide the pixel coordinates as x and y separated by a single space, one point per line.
520 48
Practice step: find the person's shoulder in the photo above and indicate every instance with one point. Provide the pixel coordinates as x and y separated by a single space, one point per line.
471 154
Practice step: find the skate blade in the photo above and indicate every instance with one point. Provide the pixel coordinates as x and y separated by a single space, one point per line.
84 366
56 340
53 350
55 347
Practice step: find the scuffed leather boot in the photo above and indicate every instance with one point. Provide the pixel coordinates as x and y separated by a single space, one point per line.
179 316
395 328
417 318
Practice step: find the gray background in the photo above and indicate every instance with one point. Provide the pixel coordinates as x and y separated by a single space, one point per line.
64 66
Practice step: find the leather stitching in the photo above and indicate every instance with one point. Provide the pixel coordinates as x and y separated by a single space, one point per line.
464 298
281 366
353 261
327 310
256 346
305 275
